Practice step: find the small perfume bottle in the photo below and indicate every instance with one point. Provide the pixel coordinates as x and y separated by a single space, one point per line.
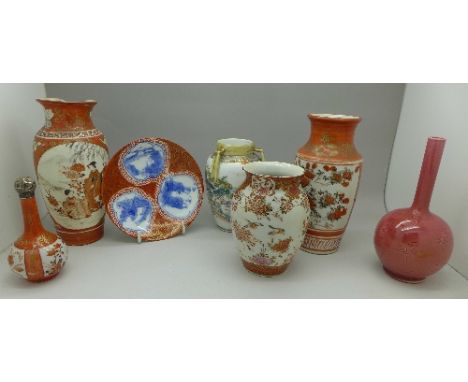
37 255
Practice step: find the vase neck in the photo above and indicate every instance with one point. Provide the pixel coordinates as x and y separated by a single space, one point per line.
333 136
67 116
267 176
328 132
31 218
235 146
428 173
276 182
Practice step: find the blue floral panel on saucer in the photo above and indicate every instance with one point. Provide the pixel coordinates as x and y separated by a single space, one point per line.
178 196
144 162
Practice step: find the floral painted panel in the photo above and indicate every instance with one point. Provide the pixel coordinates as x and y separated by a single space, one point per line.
143 162
132 210
220 194
70 180
16 261
179 196
269 221
220 191
332 191
53 258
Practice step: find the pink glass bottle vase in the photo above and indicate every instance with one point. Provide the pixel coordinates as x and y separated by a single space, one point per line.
413 243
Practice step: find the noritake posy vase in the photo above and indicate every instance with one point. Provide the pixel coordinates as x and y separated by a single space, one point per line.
37 255
414 243
269 215
69 157
224 175
333 167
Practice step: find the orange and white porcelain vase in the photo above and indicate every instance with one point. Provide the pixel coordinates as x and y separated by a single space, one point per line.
224 174
69 157
269 214
333 169
37 255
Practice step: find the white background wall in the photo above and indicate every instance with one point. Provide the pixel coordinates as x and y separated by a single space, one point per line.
20 117
439 110
273 115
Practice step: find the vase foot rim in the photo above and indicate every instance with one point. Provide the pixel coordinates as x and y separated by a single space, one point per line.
47 278
321 245
224 229
409 280
264 270
81 237
317 252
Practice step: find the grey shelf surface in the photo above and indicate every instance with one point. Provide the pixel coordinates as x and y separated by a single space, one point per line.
204 263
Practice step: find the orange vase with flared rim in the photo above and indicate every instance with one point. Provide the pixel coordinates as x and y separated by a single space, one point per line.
333 171
69 156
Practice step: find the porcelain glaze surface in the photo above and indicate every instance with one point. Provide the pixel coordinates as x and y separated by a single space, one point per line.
333 171
269 217
143 162
233 154
152 188
69 156
70 180
132 210
50 260
178 196
37 255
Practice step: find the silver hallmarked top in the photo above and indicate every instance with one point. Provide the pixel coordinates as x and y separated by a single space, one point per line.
25 187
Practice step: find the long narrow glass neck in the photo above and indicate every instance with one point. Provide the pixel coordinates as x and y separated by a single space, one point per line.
428 173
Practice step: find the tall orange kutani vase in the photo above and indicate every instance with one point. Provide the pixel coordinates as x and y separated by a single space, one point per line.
333 168
69 157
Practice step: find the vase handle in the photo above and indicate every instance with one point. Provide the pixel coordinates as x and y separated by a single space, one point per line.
215 165
261 152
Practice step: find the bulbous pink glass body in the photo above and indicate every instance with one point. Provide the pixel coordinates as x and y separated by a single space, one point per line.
413 243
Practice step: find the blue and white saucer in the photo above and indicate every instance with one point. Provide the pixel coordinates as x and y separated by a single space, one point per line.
152 188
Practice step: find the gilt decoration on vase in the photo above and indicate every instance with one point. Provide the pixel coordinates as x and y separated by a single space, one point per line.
69 156
224 174
269 215
333 170
37 255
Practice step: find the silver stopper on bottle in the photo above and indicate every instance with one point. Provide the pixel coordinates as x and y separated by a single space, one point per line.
25 187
